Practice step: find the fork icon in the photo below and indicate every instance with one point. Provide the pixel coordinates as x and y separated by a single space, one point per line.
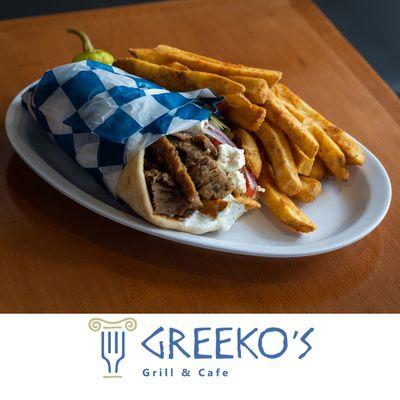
112 349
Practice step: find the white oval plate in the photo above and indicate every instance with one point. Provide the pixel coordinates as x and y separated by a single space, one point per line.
344 212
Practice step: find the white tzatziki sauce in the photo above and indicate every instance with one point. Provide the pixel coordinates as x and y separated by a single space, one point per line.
226 218
231 160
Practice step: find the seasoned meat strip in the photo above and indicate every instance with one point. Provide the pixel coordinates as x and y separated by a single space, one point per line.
167 198
202 141
167 155
210 180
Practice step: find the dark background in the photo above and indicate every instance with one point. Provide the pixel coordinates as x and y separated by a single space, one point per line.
372 26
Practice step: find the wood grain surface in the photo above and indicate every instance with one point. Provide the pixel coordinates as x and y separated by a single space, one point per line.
56 256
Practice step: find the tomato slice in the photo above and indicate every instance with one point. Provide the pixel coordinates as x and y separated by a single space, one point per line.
215 142
250 192
251 184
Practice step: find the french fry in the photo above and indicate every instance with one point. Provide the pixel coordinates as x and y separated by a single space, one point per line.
249 118
179 81
330 153
317 170
352 150
252 155
281 205
280 116
237 100
163 54
166 56
280 155
310 190
294 111
256 88
179 66
303 162
150 55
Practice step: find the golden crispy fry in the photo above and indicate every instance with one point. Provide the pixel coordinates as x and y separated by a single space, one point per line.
317 170
330 153
256 88
280 155
280 116
163 54
310 190
246 141
249 118
293 110
150 55
303 162
237 100
351 149
218 66
179 81
232 100
281 206
179 66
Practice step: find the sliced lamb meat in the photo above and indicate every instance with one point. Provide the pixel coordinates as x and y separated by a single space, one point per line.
154 175
181 172
205 143
201 141
210 180
167 198
165 153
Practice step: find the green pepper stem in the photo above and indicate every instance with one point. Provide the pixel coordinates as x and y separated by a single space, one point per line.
87 44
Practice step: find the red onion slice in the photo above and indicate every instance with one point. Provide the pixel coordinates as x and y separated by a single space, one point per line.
217 134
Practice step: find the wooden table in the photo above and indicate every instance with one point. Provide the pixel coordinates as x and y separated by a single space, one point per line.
56 256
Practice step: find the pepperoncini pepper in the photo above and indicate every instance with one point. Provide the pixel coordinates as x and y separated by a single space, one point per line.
89 52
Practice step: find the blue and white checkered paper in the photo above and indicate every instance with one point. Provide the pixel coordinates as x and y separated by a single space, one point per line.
100 114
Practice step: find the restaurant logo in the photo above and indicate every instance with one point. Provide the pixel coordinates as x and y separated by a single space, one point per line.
198 351
112 342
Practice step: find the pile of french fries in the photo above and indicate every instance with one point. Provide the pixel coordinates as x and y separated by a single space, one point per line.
289 146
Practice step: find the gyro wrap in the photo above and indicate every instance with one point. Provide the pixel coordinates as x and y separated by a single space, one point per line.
105 118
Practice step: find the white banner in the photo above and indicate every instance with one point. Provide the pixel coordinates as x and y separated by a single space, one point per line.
199 356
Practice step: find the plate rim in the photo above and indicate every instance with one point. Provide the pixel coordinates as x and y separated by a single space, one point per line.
57 181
